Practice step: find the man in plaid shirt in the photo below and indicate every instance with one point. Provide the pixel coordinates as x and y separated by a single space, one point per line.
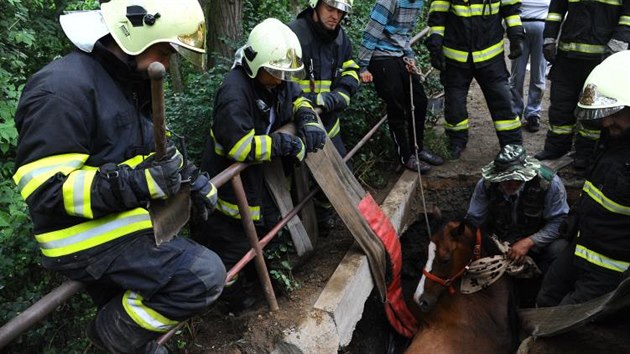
386 58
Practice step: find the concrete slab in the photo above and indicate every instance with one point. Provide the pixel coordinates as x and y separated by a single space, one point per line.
333 318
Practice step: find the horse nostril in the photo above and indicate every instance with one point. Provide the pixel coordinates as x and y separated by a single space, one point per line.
424 306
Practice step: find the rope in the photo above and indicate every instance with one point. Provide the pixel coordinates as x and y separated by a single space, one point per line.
417 71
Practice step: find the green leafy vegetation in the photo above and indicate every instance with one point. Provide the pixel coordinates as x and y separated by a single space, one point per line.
31 38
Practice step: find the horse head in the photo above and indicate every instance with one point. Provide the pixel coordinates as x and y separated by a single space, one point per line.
451 250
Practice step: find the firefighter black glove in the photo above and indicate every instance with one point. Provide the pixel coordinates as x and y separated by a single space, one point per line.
309 130
120 186
434 45
162 176
549 50
516 48
203 195
615 45
327 101
284 144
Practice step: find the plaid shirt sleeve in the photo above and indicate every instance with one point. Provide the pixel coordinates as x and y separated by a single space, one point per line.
379 17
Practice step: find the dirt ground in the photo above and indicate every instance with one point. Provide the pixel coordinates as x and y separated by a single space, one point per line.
449 186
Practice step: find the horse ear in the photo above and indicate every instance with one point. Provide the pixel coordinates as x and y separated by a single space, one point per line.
437 213
461 229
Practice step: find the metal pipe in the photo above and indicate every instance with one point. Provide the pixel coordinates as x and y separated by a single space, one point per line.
38 311
250 231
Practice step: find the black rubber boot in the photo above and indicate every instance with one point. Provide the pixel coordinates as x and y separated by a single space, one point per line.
118 333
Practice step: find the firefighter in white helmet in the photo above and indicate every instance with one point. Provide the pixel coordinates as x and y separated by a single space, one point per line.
332 76
86 172
601 255
257 96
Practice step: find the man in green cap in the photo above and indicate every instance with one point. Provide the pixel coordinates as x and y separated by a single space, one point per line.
521 202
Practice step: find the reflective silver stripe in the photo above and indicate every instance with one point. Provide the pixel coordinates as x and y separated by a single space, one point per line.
218 148
554 17
26 176
263 147
145 316
582 47
241 149
334 131
76 192
600 260
475 10
93 232
439 6
463 125
601 199
513 21
488 53
438 30
562 129
505 125
592 134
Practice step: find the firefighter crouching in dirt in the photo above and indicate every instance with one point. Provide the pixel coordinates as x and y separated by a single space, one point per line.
85 132
256 98
595 265
332 76
466 42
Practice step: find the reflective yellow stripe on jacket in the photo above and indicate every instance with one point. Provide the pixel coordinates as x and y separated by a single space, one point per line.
478 56
582 47
145 316
31 176
601 199
93 233
231 210
600 260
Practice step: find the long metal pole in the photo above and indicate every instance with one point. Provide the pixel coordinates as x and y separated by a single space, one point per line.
250 231
38 311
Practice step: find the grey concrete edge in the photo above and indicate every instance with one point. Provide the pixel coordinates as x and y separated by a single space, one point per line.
331 321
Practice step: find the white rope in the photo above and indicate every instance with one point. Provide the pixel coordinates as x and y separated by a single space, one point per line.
415 141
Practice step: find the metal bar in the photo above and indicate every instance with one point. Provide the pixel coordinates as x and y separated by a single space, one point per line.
38 311
250 231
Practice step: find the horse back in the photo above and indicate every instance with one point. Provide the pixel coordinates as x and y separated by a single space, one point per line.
473 323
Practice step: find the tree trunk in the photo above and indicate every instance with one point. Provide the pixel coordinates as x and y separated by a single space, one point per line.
176 75
224 18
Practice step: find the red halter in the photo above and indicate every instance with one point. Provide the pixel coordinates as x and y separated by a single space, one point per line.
448 283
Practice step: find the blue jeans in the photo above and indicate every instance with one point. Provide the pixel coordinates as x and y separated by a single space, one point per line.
538 66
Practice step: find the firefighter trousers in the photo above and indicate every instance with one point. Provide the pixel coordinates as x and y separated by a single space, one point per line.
146 290
567 77
493 80
391 81
573 281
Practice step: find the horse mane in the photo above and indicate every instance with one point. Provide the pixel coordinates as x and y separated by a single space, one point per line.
488 246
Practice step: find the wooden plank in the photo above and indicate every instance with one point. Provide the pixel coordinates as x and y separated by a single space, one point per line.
302 179
344 193
278 187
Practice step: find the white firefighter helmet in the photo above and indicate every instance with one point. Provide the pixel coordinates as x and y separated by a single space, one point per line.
136 25
343 5
273 46
607 89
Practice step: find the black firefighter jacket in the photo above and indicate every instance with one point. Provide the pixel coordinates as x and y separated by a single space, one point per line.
327 57
475 28
245 114
588 26
75 115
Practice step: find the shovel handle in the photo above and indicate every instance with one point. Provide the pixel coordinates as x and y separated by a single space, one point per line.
156 73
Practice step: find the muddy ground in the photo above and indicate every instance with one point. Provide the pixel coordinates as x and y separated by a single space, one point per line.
449 186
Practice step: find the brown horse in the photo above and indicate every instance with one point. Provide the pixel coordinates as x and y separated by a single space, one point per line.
452 322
